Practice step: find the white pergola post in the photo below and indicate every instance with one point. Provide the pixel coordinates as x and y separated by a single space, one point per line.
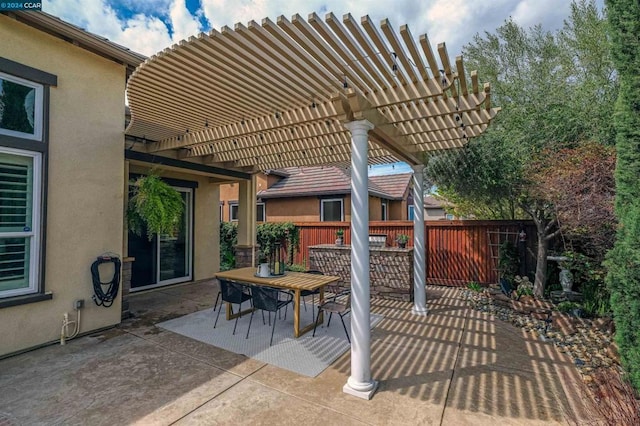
419 267
360 383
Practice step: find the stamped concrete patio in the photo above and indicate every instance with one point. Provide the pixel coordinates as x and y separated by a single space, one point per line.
454 367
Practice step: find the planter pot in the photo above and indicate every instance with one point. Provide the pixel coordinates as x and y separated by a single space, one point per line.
339 241
402 245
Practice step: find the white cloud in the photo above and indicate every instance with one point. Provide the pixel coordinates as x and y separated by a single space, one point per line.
184 23
141 33
549 13
452 21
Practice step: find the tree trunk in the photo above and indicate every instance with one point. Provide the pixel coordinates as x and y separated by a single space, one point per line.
541 266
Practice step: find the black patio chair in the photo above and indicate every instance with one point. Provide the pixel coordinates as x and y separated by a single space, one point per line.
339 303
305 293
233 293
271 300
216 302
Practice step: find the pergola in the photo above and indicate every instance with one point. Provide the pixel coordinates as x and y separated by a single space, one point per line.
312 92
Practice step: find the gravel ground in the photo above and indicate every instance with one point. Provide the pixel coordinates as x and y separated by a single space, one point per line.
588 342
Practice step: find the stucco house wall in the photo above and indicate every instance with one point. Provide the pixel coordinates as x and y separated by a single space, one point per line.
229 192
85 174
375 208
300 209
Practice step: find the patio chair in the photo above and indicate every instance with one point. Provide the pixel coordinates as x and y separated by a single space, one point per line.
271 300
232 293
305 293
216 302
339 303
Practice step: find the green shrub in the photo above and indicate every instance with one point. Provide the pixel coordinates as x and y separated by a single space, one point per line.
270 233
567 307
228 239
475 286
508 260
623 261
296 267
524 286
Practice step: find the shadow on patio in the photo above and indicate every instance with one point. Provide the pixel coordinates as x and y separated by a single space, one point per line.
456 366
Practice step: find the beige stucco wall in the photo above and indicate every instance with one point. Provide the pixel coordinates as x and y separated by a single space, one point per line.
85 191
300 209
229 192
303 209
397 210
434 213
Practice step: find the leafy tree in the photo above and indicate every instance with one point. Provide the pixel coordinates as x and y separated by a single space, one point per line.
623 262
556 90
580 184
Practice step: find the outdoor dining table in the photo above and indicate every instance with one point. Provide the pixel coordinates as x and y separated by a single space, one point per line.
294 281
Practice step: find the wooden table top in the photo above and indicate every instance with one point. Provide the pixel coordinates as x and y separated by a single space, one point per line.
290 280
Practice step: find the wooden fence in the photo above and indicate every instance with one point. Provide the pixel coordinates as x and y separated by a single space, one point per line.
457 252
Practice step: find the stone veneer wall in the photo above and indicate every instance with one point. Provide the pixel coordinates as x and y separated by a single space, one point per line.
127 264
243 255
391 269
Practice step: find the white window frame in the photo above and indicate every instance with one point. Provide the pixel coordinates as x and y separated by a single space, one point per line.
34 233
328 200
410 209
231 208
264 212
385 210
38 109
221 218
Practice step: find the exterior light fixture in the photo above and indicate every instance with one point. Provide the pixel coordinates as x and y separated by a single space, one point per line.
522 235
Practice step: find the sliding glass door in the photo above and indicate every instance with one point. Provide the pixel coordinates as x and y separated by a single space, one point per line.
166 259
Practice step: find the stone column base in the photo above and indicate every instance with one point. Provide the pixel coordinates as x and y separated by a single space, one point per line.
245 256
367 394
127 264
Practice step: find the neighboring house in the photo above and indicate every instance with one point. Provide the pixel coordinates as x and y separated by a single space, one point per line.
229 196
434 209
62 182
319 194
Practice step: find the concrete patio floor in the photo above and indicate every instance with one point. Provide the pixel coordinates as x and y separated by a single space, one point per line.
455 367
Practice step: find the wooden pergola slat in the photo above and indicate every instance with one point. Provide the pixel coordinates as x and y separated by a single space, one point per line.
276 94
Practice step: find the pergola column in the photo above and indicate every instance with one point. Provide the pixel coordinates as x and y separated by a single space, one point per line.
360 383
419 264
247 204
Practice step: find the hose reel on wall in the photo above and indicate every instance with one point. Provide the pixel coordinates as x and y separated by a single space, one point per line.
105 297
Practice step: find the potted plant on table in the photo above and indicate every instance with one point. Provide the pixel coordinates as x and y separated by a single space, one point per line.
402 240
340 237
